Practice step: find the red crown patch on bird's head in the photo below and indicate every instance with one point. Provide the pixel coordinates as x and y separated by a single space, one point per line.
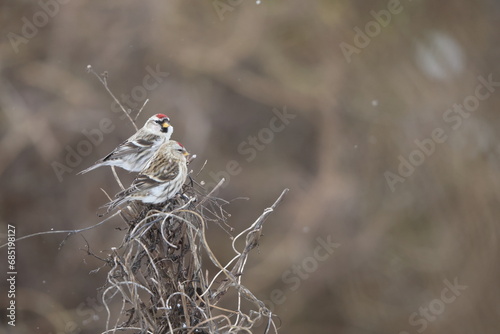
161 116
183 150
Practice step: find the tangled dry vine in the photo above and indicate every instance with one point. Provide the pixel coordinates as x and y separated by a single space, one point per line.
158 275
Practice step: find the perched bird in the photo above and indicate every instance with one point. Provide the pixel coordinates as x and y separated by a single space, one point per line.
134 153
160 180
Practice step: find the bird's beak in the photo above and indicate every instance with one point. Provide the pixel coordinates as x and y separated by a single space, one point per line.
165 124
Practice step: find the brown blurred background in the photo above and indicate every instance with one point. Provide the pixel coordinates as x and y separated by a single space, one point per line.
416 251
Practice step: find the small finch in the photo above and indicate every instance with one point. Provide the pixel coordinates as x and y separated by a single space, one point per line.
134 153
160 180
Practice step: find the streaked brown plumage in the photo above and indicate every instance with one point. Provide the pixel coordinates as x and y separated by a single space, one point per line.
160 180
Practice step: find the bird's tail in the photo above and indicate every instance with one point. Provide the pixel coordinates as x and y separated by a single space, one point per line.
89 169
113 204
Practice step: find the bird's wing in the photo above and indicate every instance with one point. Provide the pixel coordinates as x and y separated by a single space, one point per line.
168 172
150 180
131 147
124 149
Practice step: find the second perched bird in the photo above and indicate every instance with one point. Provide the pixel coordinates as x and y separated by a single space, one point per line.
160 180
134 153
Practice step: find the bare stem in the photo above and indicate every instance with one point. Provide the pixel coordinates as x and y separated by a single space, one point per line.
104 80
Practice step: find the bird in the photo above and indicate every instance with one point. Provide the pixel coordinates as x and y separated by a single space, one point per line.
134 153
161 179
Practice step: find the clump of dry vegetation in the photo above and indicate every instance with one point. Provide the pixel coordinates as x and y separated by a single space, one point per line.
159 276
